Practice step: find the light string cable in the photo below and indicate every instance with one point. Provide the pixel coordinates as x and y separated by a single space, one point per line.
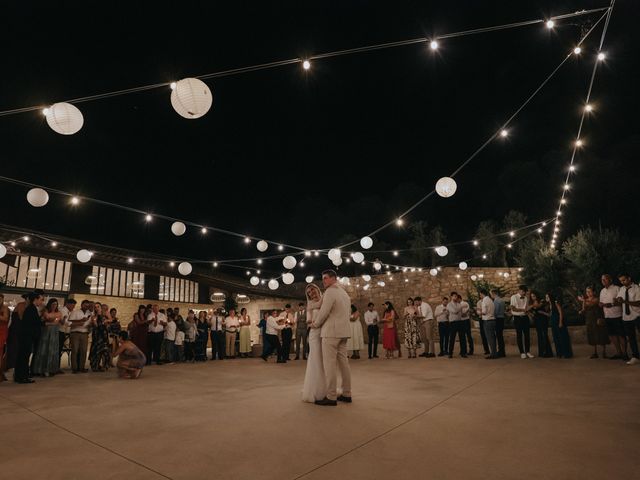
493 136
337 53
578 141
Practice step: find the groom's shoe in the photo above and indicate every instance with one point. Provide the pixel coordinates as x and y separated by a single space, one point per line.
344 399
326 402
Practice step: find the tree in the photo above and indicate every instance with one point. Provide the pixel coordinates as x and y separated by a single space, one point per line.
513 221
423 239
544 269
488 243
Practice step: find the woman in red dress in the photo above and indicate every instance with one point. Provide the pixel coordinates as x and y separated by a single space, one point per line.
389 335
139 329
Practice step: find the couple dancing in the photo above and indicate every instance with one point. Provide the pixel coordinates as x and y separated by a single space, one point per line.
328 317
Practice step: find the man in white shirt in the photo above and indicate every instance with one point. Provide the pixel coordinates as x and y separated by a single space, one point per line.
488 322
157 322
629 298
371 320
216 322
613 316
80 320
466 318
271 337
427 327
519 307
170 338
65 326
442 317
231 326
456 325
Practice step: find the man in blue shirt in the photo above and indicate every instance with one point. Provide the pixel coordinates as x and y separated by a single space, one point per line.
499 310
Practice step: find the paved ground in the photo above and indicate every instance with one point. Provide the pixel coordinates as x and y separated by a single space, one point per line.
242 419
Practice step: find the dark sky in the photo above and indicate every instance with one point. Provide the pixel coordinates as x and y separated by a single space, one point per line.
308 157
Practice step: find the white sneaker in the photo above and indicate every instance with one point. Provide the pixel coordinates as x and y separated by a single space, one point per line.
523 355
633 361
530 356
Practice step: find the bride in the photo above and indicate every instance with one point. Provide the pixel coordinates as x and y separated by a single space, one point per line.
314 380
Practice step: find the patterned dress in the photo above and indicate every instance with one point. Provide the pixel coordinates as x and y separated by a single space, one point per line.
411 332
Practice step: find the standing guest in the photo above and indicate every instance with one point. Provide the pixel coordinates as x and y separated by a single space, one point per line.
231 325
594 320
46 361
131 360
411 330
80 322
262 325
139 331
499 312
466 318
100 353
427 327
488 323
287 332
371 320
519 307
389 334
272 341
216 322
541 321
5 315
629 298
14 327
202 337
559 329
245 333
356 342
157 322
302 332
170 338
442 317
64 329
456 325
114 332
190 334
28 337
179 343
613 316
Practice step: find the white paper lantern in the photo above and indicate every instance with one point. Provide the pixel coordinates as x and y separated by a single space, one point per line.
191 98
84 256
358 257
273 284
463 265
37 197
262 246
254 281
309 278
366 243
433 272
334 254
289 262
3 250
506 275
442 251
337 262
366 278
381 284
178 228
446 187
474 277
185 268
64 118
377 266
288 278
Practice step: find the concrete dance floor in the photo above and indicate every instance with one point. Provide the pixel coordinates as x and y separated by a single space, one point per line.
243 419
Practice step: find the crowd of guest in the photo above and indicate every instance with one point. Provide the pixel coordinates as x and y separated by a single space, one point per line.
34 336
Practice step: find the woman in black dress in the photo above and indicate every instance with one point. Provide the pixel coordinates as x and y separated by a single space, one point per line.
100 353
202 336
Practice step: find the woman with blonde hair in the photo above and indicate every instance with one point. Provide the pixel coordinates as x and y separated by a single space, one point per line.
315 387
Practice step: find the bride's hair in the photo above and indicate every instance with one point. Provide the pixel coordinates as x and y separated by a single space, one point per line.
310 287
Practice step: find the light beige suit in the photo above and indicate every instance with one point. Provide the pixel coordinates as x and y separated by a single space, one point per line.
333 318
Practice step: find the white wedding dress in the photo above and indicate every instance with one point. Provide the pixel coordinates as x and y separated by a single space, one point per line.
314 387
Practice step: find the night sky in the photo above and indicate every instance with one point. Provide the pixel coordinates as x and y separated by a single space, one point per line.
309 157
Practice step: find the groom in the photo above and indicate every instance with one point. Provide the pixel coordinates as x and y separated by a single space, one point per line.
333 317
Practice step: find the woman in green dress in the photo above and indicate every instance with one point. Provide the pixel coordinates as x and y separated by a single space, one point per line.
245 333
46 361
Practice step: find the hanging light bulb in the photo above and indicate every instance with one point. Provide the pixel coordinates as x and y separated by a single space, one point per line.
433 45
550 24
306 65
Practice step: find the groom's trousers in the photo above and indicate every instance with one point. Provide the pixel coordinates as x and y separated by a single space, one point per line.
334 357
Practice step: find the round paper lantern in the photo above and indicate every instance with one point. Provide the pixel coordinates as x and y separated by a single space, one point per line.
288 278
463 265
366 243
446 187
64 118
366 287
442 251
254 281
377 266
358 257
262 246
185 268
84 256
506 275
3 250
474 277
381 284
309 278
178 228
337 262
273 284
334 254
289 262
433 272
366 278
191 98
37 197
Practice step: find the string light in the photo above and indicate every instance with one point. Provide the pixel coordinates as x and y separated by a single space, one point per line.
504 133
129 260
54 244
259 261
172 264
588 108
550 24
75 200
476 243
215 264
307 253
280 248
247 240
306 64
601 56
26 238
579 143
572 168
433 45
203 230
577 50
399 222
148 218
